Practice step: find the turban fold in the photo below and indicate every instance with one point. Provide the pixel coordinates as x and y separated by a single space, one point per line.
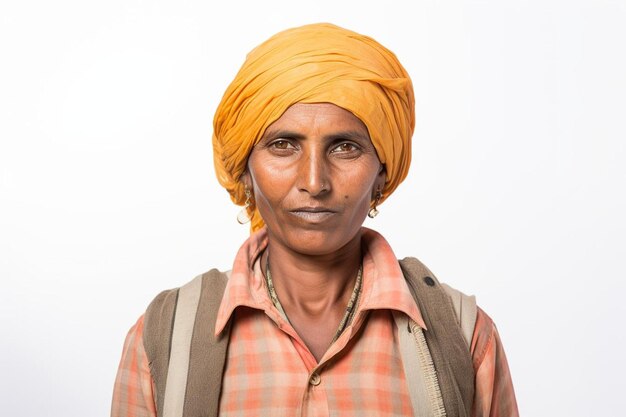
318 63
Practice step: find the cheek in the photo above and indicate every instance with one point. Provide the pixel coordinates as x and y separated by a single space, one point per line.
362 177
270 183
265 190
358 186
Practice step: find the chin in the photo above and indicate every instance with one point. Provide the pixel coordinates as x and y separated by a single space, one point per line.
316 242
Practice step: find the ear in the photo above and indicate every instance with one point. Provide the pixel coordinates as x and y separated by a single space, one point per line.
381 178
246 179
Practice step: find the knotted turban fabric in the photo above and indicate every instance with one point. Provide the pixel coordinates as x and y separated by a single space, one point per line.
315 64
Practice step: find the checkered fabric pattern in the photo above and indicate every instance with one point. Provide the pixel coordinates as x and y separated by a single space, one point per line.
270 371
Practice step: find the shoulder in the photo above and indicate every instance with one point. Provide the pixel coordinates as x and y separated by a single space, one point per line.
484 337
494 387
206 287
165 302
464 306
180 308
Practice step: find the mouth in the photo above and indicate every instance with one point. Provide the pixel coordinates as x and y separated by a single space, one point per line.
313 214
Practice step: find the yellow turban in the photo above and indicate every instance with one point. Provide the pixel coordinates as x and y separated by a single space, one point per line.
318 63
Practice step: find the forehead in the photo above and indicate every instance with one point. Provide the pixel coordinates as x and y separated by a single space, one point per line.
318 116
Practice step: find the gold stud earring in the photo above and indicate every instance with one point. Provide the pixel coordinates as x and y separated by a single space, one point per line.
244 217
374 211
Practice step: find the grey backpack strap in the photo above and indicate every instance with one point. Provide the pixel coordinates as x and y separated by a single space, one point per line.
157 336
446 343
180 347
186 359
419 369
465 309
207 352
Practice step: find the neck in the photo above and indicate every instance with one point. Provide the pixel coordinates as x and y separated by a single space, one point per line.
313 285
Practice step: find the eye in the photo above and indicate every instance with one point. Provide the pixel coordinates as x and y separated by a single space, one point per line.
345 147
282 144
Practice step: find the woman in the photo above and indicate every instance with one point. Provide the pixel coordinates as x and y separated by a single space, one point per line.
317 316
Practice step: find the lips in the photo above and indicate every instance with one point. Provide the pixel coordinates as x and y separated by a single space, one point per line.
313 214
316 209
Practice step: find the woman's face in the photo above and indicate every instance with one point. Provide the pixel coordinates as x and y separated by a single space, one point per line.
313 176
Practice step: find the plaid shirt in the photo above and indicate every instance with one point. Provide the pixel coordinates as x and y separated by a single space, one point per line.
270 371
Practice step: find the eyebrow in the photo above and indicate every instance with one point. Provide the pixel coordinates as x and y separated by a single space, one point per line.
344 134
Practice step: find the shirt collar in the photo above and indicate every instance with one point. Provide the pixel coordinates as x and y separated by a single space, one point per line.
384 285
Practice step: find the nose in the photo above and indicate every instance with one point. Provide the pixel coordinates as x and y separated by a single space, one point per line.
313 173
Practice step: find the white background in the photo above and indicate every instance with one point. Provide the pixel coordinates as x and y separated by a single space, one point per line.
108 195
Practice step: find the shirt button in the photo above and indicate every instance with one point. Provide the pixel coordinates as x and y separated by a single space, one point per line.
315 379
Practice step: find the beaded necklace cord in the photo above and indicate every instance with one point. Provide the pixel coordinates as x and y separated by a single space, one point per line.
350 308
